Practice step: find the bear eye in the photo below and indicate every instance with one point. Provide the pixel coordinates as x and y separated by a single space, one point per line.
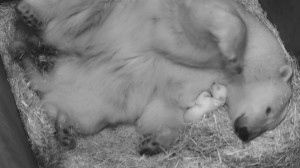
268 110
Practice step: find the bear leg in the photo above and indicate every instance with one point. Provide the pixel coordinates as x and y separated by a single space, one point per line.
160 125
65 132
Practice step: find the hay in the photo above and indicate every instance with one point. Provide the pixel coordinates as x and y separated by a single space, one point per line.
209 143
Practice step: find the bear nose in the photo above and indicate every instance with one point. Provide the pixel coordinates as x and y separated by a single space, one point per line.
241 131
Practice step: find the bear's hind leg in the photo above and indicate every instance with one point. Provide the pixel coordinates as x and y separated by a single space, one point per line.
65 128
65 131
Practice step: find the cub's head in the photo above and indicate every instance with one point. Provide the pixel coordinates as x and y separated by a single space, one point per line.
259 106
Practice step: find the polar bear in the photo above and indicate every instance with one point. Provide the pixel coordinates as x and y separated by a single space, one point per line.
145 62
206 102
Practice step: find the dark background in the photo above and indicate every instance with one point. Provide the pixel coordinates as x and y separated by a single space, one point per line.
285 15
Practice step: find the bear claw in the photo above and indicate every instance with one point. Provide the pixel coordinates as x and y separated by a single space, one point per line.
149 147
66 136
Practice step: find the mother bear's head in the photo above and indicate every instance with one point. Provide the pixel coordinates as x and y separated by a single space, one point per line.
258 97
258 107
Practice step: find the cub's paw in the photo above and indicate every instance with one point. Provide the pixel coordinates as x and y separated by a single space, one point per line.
66 136
219 93
149 146
28 15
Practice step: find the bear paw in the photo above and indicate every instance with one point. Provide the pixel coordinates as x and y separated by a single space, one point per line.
28 15
66 136
149 146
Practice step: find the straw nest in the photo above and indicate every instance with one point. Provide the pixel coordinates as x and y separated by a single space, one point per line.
209 143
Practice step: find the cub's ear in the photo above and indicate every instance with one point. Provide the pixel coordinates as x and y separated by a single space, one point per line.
286 72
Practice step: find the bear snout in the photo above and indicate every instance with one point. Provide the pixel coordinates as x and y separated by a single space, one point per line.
240 130
245 131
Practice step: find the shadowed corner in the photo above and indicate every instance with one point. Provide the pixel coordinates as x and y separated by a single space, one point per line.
15 149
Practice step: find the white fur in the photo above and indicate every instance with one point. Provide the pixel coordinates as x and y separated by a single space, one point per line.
206 102
149 60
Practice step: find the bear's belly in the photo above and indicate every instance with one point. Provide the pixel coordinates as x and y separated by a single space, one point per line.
94 97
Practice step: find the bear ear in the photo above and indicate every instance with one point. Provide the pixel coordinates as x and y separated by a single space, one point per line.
286 72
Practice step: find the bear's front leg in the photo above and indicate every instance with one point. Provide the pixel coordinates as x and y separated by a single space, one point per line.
220 21
160 125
